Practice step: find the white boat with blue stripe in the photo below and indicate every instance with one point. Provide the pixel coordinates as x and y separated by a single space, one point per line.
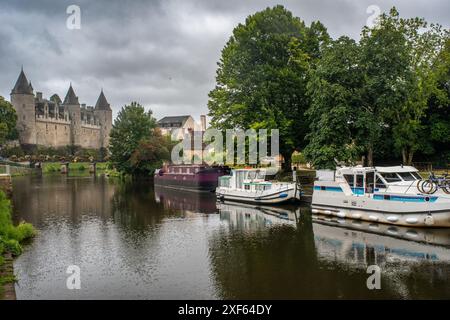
379 194
250 185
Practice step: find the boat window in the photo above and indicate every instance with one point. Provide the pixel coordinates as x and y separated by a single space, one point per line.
260 175
390 176
407 176
267 187
247 187
370 181
379 183
251 175
359 181
416 175
350 179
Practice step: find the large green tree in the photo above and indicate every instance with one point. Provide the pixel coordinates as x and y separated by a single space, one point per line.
334 88
132 127
8 119
263 74
399 55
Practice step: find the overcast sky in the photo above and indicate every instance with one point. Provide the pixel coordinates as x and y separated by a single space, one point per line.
161 53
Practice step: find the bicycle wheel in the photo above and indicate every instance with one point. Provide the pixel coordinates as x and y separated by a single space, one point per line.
429 187
446 187
419 186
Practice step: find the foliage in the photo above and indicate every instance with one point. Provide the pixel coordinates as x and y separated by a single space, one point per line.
8 119
373 96
134 128
11 236
335 104
262 76
150 153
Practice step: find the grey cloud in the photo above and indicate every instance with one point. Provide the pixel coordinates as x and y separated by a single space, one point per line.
161 53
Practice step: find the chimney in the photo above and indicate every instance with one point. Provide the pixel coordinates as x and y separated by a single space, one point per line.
39 96
203 122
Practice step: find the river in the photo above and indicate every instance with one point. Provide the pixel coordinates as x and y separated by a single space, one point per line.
132 241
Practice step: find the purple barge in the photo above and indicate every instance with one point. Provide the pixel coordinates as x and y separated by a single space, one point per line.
190 177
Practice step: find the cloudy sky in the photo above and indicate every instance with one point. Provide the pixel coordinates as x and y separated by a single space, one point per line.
161 53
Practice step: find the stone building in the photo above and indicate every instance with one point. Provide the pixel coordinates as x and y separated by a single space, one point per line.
179 126
56 123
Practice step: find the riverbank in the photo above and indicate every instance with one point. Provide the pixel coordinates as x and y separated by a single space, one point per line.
11 240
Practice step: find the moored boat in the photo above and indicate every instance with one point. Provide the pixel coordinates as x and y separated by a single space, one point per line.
379 194
250 185
190 177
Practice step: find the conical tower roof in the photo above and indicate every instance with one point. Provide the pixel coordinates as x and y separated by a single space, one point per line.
71 98
102 103
22 85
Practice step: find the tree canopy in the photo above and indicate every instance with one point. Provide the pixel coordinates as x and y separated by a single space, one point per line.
136 145
263 73
8 119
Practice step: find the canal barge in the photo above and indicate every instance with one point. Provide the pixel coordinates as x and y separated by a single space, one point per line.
190 177
251 186
379 194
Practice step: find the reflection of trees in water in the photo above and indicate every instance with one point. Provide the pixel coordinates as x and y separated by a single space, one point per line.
283 262
134 205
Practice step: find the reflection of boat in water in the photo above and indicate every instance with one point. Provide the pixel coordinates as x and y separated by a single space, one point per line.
382 194
368 243
185 200
245 216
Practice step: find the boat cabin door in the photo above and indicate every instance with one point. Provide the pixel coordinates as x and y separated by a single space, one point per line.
370 181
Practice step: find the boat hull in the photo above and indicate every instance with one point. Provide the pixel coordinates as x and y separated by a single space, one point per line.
273 197
203 181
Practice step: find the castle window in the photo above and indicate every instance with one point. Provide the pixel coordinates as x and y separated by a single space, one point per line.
56 128
23 105
23 117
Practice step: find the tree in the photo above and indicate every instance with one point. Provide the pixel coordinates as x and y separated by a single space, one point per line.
334 89
398 55
262 76
151 152
132 126
8 119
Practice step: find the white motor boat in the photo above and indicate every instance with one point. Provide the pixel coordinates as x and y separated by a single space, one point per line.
250 185
379 194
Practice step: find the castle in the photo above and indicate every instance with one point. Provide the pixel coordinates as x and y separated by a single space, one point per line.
53 123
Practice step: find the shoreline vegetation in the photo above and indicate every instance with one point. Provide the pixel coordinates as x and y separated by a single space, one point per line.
12 239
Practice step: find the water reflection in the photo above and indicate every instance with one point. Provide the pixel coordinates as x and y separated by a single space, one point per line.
133 241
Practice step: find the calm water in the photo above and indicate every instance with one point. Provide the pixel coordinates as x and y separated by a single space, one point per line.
134 242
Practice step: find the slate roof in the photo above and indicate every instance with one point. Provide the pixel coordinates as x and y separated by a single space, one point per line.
175 119
71 98
22 85
102 103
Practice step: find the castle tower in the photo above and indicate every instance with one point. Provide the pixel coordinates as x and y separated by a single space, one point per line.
22 99
73 106
104 113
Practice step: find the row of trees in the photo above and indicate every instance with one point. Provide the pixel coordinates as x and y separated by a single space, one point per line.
385 95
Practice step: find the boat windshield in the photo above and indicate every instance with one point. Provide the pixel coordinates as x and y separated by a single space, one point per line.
390 176
407 176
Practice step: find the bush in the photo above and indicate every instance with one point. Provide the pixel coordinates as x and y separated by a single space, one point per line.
13 246
11 236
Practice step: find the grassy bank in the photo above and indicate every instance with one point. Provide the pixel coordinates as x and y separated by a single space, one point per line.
53 167
11 239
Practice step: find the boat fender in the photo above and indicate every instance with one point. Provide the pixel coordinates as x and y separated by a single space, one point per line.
429 220
427 199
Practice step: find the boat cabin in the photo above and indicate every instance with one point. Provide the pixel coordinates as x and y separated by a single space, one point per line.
367 180
246 179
